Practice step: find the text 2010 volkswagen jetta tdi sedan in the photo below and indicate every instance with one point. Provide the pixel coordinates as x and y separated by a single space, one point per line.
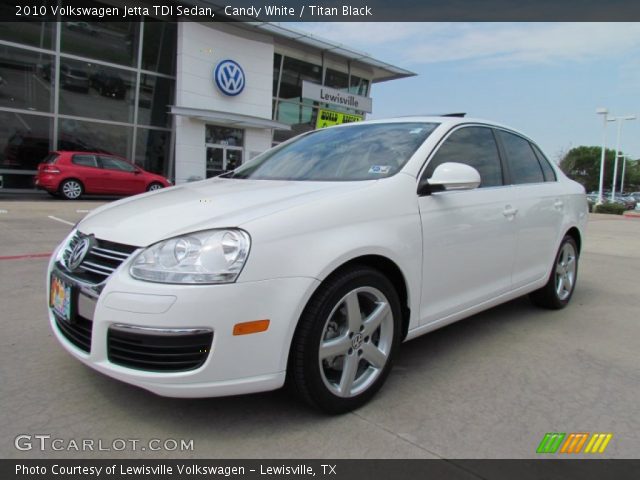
314 261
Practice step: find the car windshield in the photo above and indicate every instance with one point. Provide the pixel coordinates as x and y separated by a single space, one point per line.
356 152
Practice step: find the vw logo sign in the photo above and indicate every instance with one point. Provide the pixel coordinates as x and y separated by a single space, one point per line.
229 77
78 253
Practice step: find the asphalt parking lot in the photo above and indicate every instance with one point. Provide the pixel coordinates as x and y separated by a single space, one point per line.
490 386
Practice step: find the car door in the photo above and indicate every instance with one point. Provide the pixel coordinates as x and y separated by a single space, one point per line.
468 235
86 169
540 206
123 177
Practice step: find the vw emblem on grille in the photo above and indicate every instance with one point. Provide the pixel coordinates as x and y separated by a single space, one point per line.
77 254
229 77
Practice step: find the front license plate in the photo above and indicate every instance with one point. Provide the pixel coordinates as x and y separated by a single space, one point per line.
60 298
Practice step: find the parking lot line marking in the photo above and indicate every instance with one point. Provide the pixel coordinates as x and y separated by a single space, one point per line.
83 211
26 256
60 220
4 211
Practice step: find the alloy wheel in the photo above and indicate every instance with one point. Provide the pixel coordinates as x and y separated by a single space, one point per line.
356 342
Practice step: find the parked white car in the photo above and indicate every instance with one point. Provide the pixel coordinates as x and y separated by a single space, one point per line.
315 260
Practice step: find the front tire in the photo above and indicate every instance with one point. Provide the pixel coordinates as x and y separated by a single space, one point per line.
154 186
346 340
71 189
558 291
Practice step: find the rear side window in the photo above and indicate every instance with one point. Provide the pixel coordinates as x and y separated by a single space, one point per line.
549 174
50 159
523 163
473 146
84 160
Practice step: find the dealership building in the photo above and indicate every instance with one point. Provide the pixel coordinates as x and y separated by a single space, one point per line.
188 100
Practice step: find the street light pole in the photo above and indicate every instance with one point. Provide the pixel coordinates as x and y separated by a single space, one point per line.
604 112
615 165
624 165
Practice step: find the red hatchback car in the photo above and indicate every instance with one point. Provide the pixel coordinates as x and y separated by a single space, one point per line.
72 174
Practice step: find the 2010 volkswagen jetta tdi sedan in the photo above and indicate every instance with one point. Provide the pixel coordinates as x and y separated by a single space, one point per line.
314 261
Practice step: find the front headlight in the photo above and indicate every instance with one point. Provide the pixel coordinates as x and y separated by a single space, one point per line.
211 256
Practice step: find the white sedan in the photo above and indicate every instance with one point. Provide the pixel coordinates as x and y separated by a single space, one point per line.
314 261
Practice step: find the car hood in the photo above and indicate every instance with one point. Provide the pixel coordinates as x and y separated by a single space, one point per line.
217 203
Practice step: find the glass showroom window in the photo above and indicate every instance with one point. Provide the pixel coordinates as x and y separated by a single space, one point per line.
103 68
152 150
94 137
294 72
24 140
25 79
155 95
300 117
96 91
336 79
159 47
34 34
359 86
113 42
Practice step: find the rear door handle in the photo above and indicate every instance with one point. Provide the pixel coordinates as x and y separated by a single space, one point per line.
509 212
558 204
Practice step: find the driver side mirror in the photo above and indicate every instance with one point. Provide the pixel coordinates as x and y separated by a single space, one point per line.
450 176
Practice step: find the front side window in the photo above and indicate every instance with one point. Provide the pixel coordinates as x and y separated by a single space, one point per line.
111 163
356 152
523 164
473 146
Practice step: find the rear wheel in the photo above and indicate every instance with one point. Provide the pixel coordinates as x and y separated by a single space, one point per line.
345 341
71 189
154 186
557 293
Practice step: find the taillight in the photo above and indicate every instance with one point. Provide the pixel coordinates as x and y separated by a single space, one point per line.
50 169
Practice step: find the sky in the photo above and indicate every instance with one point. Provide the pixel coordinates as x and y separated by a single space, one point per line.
544 79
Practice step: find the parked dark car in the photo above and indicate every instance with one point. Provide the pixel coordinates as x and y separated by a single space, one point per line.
628 201
72 174
74 78
82 27
108 84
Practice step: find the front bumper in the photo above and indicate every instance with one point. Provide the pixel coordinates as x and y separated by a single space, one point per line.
234 365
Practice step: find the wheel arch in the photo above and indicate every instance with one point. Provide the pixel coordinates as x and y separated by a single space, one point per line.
387 267
574 233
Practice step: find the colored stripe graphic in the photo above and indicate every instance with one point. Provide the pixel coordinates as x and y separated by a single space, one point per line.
550 443
598 443
574 443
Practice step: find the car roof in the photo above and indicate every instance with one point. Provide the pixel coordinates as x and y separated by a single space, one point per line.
85 152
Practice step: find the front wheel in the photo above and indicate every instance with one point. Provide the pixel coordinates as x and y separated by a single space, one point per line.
557 293
346 339
154 186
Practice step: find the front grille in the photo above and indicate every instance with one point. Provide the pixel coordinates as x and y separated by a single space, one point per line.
77 331
101 260
158 350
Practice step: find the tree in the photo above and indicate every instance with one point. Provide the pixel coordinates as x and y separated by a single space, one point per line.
582 164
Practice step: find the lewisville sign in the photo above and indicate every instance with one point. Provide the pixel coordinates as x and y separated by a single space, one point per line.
323 94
